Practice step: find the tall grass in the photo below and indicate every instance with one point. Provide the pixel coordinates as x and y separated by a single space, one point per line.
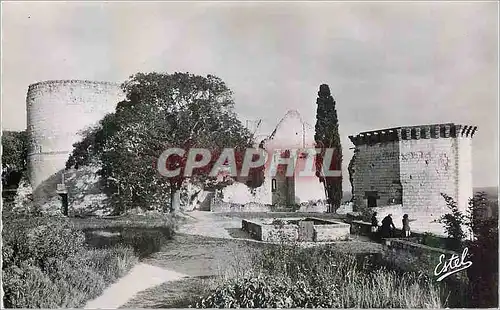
49 263
290 276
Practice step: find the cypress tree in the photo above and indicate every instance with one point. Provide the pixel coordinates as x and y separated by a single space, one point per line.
327 136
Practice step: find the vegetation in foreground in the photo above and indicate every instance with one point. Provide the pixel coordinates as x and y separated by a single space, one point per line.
53 263
481 230
289 276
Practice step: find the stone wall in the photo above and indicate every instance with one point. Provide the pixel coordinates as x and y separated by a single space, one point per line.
377 169
56 112
412 166
327 231
464 161
284 193
428 168
222 207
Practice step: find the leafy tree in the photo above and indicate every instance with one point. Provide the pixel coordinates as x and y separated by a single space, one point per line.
161 111
14 157
327 136
351 170
454 222
483 250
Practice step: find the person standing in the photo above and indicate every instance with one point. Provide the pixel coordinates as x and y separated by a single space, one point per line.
406 226
387 227
374 223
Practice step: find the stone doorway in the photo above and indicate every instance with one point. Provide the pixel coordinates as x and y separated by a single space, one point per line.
371 199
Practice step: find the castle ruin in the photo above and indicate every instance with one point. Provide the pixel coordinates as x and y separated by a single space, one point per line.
411 166
57 111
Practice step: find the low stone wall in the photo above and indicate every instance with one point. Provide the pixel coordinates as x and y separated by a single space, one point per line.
313 208
416 248
275 233
324 231
271 233
254 229
432 241
361 228
222 206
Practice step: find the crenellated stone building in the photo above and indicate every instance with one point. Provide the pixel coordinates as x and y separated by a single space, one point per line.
411 166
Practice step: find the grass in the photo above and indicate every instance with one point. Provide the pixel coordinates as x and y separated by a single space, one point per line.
58 262
290 276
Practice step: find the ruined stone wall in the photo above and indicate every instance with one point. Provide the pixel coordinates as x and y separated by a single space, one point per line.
464 161
427 160
56 112
438 160
377 169
428 168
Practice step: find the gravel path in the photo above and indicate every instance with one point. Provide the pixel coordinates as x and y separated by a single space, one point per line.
200 249
207 245
140 278
209 224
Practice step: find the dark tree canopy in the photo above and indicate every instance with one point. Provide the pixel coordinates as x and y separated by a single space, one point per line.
162 111
327 136
14 157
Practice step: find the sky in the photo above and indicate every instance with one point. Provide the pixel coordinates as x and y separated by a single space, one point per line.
387 64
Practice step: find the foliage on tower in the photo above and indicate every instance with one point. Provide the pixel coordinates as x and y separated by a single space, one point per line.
162 111
351 171
327 136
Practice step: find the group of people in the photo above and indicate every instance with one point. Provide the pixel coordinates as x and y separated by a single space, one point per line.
386 230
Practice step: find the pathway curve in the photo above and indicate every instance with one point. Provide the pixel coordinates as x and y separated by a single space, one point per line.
209 224
183 254
202 248
140 277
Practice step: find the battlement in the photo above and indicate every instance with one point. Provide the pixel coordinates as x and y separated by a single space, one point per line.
434 131
50 83
57 112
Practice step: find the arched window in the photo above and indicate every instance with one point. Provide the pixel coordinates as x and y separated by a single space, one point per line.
273 185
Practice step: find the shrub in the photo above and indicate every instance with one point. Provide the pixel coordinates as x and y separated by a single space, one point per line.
432 240
454 223
46 264
263 291
27 286
75 283
483 248
144 241
483 273
290 276
38 239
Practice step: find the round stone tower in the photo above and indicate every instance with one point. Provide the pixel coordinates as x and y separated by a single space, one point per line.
57 112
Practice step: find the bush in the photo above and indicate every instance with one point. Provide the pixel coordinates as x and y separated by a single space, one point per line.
75 283
483 273
483 247
290 276
454 223
269 292
38 239
27 286
46 264
144 241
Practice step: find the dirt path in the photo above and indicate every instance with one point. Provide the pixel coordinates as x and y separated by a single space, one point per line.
207 245
200 249
140 278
